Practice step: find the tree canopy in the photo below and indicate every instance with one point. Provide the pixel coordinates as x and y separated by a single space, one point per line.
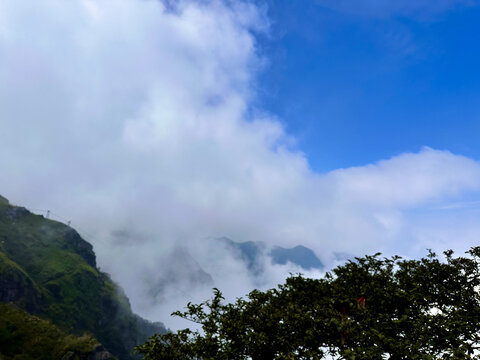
369 308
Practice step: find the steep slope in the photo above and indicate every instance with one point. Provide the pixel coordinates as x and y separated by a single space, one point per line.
25 336
47 269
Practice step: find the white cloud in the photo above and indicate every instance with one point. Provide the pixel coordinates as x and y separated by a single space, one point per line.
409 179
127 116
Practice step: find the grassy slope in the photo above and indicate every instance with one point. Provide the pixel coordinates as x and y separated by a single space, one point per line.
59 280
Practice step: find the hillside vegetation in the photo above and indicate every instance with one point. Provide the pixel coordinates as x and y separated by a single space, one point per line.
47 269
25 336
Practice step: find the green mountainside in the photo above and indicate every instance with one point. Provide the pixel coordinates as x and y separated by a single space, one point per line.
25 336
47 269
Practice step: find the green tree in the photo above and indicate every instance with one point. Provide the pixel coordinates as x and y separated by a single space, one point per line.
369 308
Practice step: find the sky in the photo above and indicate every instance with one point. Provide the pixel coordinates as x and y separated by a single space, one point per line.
356 81
344 126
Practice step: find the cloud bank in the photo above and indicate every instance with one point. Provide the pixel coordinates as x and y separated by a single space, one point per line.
134 120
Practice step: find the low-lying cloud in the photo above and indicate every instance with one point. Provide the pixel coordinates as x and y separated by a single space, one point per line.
135 121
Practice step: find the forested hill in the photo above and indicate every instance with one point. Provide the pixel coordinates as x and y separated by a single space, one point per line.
47 269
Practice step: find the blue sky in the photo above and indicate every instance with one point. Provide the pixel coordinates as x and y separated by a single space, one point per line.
354 88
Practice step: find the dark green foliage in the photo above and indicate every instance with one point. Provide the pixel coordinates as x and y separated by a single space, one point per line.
49 270
370 308
3 201
24 336
17 286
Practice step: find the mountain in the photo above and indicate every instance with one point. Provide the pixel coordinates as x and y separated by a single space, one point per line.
298 255
253 254
25 336
179 272
48 270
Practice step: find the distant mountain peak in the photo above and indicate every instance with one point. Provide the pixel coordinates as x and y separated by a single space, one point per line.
298 255
253 253
250 252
